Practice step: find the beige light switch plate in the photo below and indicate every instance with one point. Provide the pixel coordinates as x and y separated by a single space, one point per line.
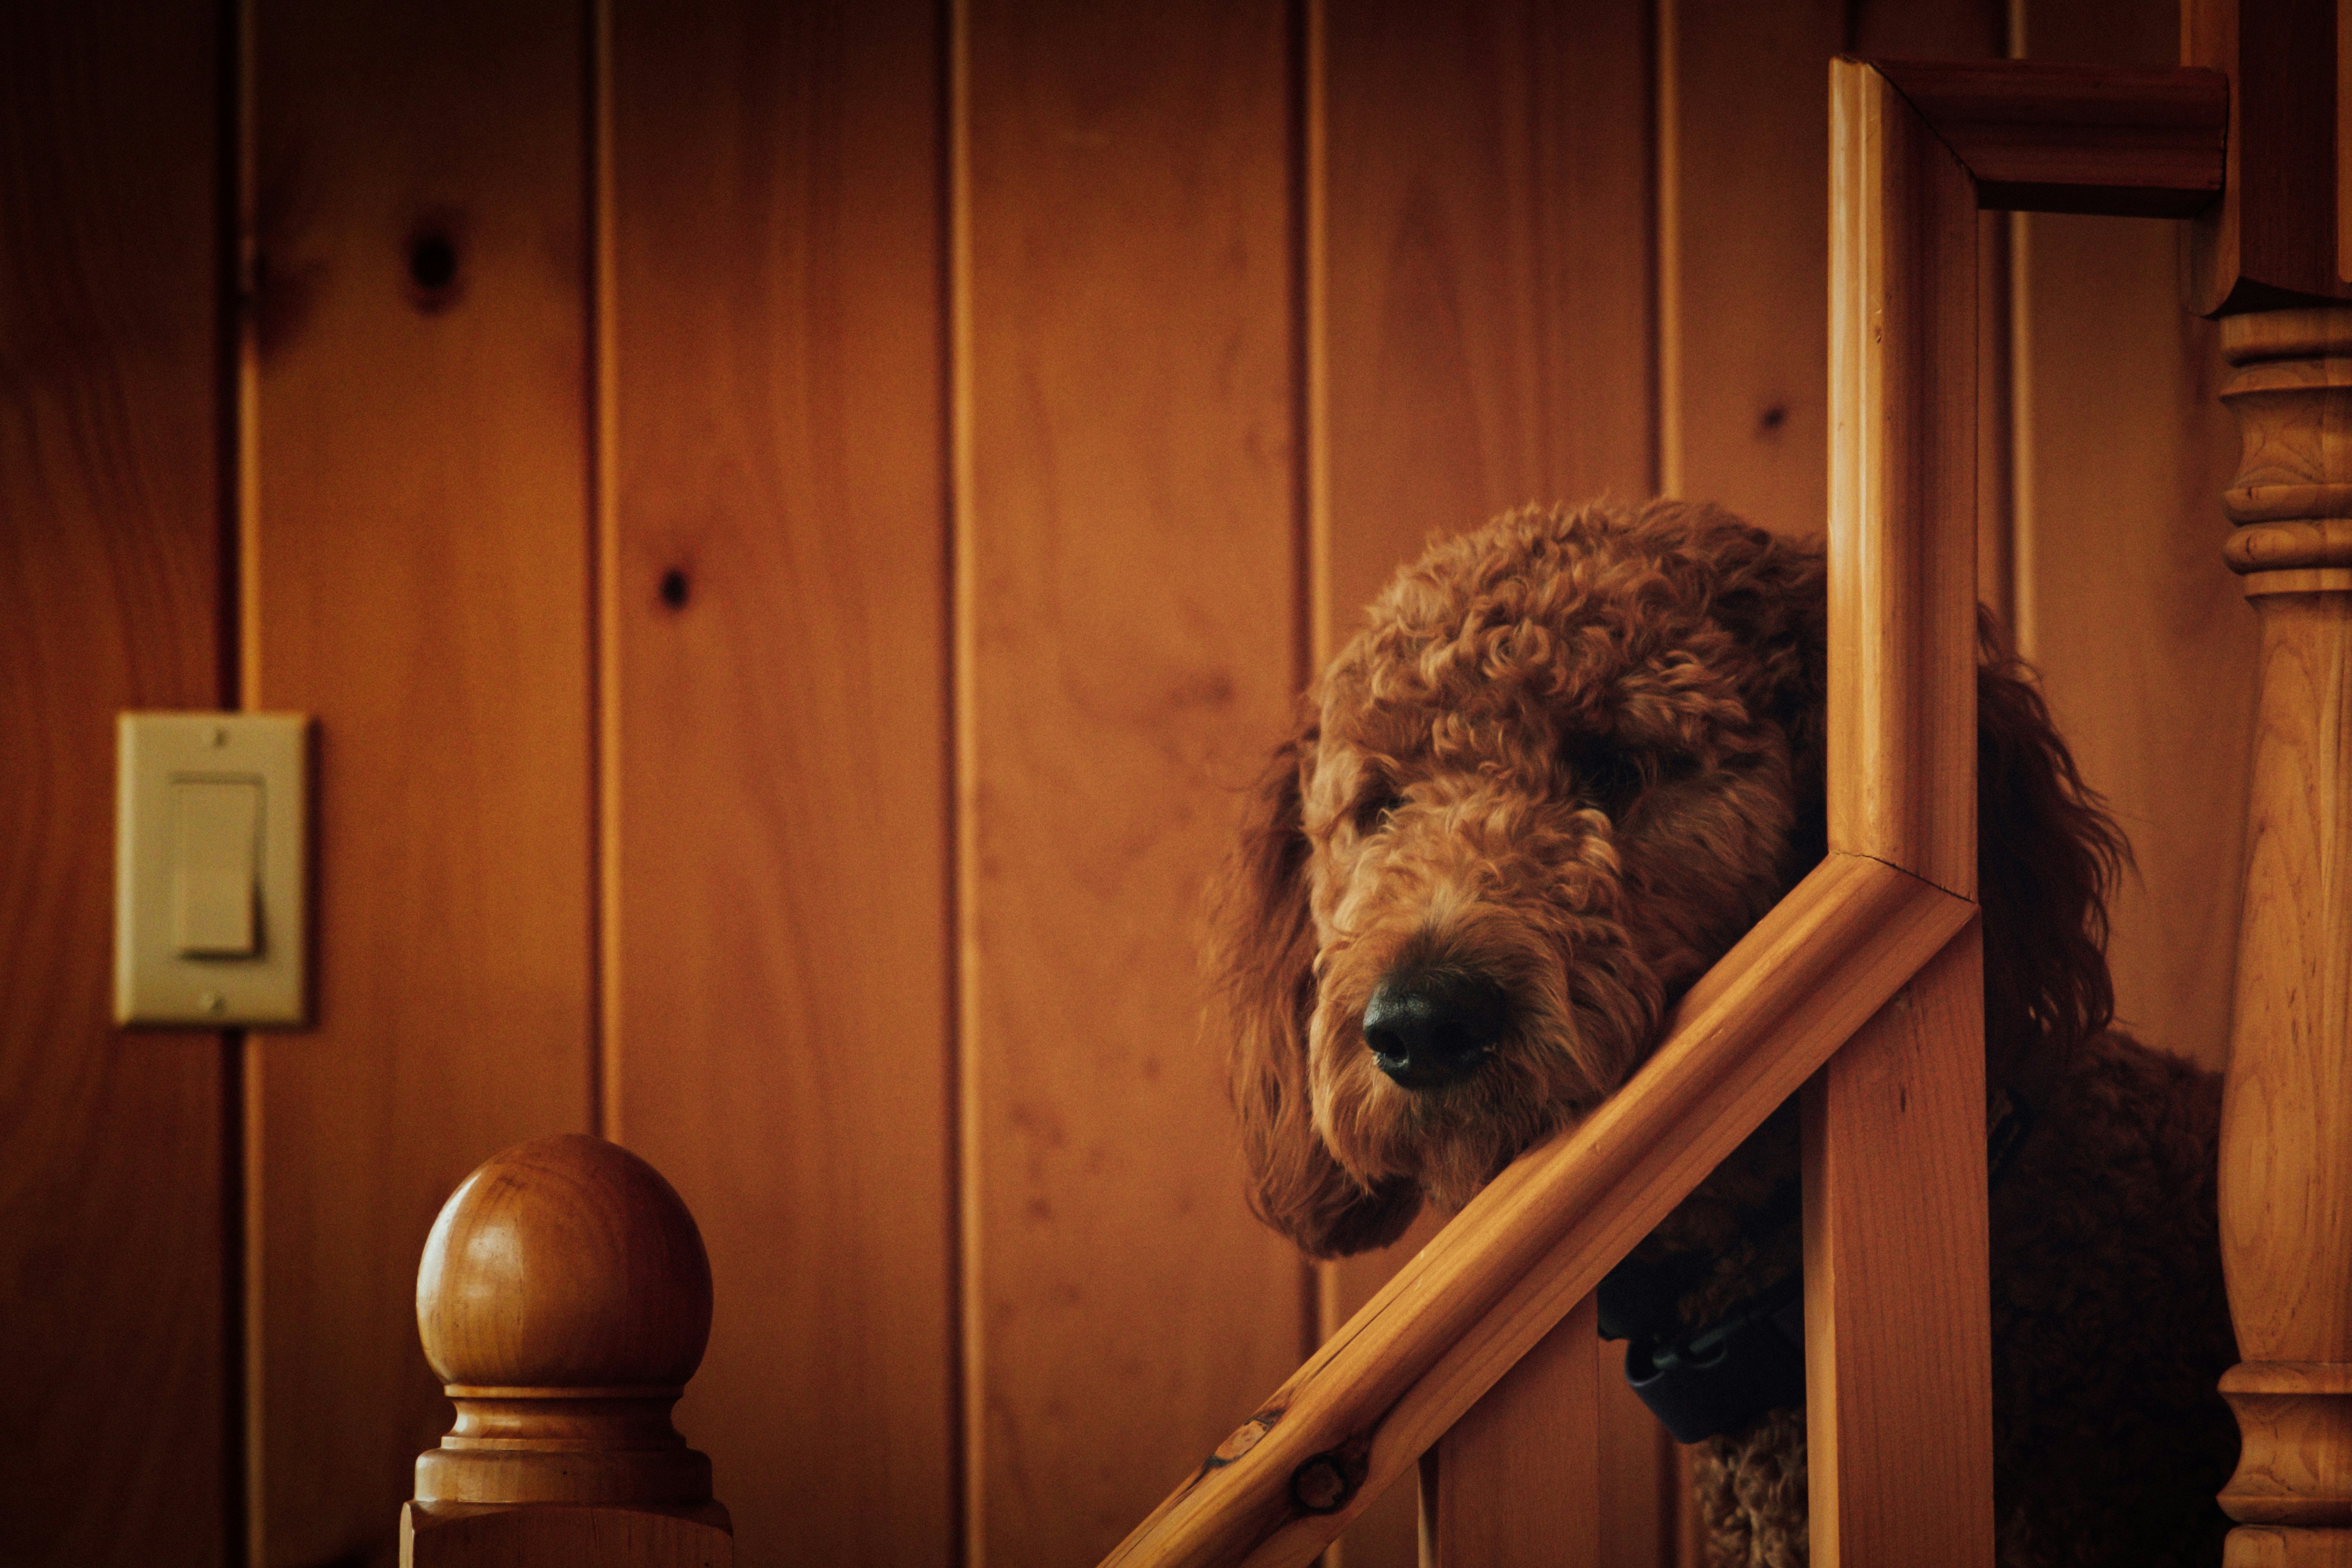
210 823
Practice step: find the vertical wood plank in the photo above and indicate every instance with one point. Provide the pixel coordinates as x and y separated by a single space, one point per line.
1690 1532
113 1244
1127 587
1515 1482
1483 311
1642 1484
1486 299
1897 1303
420 582
1898 1373
779 932
2271 235
2148 660
1903 472
1743 287
1743 282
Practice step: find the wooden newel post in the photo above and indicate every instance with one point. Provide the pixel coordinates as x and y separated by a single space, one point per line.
565 1299
2286 1129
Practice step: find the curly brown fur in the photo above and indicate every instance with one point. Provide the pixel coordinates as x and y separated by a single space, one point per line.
1570 759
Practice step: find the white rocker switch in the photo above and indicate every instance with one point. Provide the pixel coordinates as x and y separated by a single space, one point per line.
211 821
215 858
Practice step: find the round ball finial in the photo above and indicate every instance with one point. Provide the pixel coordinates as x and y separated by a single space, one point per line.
566 1263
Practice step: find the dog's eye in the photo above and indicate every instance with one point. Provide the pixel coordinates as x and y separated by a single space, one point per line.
1605 774
1373 812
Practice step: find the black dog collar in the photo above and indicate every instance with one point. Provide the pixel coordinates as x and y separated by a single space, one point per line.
1716 1380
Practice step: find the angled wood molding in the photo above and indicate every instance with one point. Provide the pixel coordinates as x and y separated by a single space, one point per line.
2131 142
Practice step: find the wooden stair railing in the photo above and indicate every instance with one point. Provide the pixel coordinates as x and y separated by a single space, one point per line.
1863 987
565 1299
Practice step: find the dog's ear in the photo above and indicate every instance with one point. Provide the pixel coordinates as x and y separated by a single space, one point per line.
1262 955
2047 858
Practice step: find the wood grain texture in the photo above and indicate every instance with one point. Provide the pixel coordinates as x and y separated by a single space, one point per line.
1642 1491
1743 282
1743 260
1126 518
1898 1332
2148 660
1476 344
2270 241
554 1535
1515 1482
1641 1488
1488 341
2265 1546
113 1244
777 930
420 582
2296 1469
1897 1304
1539 1237
1386 1534
1690 1531
563 1262
2286 1137
1903 471
565 1299
2050 136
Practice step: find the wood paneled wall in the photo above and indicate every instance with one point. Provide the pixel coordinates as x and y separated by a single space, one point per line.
117 1392
778 940
797 523
417 569
2148 654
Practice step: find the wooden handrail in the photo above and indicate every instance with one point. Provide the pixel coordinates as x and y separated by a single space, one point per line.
1540 1237
1917 148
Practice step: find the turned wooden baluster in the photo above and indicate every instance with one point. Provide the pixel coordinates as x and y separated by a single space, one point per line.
2286 1130
565 1299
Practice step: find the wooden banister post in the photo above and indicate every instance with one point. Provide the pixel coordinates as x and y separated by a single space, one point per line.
1515 1482
565 1299
2286 1122
1897 1298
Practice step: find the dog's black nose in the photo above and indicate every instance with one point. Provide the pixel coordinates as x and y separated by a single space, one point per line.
1431 1027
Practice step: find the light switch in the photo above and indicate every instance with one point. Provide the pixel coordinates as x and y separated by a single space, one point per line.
211 820
216 857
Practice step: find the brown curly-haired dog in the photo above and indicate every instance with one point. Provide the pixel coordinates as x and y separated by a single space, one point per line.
1567 762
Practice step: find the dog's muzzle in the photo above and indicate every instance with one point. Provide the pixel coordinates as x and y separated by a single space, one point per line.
1428 1028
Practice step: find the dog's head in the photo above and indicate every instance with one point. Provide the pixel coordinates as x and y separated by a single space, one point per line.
1568 762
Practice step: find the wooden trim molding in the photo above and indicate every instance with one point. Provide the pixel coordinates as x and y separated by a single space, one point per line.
1903 559
2123 141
